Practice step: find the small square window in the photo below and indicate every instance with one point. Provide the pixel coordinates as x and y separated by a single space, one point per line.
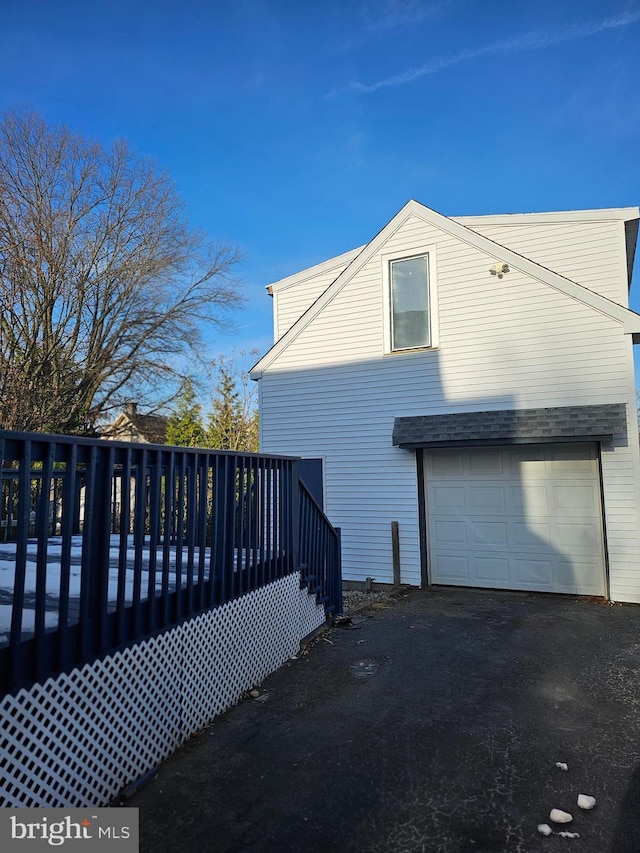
409 295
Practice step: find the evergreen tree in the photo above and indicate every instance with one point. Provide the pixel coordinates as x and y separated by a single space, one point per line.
233 422
185 425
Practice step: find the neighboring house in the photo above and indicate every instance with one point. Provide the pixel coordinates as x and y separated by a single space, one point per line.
129 425
472 379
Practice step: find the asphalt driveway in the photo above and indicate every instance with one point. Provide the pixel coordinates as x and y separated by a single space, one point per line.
434 725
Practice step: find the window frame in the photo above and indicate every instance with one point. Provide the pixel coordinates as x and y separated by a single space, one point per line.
387 259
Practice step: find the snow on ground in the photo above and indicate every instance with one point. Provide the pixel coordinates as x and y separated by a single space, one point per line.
53 577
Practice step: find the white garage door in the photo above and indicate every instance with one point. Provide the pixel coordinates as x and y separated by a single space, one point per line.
526 517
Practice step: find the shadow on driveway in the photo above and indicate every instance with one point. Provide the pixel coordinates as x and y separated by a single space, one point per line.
435 725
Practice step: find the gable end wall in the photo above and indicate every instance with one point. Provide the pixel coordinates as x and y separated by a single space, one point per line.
506 344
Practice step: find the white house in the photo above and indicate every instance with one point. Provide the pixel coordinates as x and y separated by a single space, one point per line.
471 379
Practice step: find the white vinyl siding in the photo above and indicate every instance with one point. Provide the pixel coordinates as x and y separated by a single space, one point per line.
503 344
589 253
288 307
292 296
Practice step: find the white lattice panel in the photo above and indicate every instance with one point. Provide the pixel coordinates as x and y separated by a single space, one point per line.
77 739
312 614
236 647
80 738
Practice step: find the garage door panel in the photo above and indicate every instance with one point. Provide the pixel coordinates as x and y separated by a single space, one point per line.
453 569
486 463
530 471
450 532
489 533
447 464
532 458
573 462
578 536
584 576
492 571
535 574
574 498
487 497
565 576
536 499
448 498
525 536
516 518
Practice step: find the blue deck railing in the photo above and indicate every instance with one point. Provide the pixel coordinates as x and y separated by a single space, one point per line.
105 543
320 553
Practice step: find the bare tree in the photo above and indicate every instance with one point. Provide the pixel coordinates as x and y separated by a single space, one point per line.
104 288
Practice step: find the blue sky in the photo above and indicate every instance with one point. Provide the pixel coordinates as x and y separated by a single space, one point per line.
298 129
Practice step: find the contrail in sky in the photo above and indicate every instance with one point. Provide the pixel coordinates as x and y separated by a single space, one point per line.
529 41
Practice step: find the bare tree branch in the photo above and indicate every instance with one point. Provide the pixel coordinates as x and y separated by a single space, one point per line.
104 288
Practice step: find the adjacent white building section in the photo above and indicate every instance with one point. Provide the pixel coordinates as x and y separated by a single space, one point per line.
553 331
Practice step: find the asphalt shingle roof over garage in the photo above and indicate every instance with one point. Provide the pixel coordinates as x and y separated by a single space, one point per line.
512 426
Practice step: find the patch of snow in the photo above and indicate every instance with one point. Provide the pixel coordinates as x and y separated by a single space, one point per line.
53 576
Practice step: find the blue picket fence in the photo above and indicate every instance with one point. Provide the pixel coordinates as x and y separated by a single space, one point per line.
105 543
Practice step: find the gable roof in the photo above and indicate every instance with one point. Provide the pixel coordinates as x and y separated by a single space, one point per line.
338 263
130 425
629 319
